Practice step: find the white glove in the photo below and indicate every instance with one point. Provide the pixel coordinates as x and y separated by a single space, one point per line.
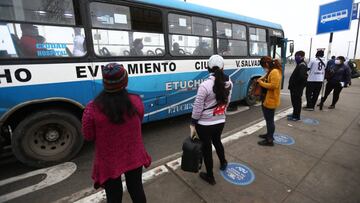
193 133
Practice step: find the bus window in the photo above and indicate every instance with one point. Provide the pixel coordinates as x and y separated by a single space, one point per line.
42 41
223 29
38 11
190 45
277 53
239 32
258 44
180 24
118 43
231 39
126 31
7 47
200 43
147 20
110 16
202 26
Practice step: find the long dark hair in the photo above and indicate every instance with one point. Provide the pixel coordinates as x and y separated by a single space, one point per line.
115 105
221 92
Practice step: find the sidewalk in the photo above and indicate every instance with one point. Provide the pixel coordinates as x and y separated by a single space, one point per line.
323 165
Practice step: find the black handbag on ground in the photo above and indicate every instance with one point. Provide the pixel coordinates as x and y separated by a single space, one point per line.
191 160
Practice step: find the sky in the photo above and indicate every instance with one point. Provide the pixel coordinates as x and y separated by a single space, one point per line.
298 19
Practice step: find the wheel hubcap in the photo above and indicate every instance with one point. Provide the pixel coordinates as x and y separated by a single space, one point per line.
52 135
49 139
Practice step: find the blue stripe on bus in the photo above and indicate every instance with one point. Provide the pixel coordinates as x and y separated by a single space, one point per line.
177 4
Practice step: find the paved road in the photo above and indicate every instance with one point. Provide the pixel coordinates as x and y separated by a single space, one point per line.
162 140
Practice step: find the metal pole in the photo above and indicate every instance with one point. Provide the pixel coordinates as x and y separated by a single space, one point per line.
347 56
330 44
323 84
310 48
357 37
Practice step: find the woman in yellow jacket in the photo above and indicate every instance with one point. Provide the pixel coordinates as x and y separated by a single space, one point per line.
271 85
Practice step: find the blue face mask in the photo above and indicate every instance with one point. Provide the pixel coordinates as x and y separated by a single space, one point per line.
298 59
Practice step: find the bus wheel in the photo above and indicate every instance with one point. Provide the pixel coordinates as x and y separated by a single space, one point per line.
250 99
46 138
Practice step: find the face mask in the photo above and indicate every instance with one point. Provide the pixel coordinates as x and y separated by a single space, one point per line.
298 59
337 61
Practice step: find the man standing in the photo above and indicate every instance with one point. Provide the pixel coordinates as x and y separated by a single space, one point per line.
297 83
315 80
331 62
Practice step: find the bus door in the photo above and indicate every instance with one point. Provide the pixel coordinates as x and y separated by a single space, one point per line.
278 47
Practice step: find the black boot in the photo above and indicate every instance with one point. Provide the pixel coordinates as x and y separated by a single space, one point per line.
223 165
263 136
266 143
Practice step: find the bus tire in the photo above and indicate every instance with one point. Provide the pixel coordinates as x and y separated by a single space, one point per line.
46 138
251 100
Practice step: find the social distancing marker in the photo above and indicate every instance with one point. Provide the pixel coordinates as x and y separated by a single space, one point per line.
310 121
238 174
175 164
283 139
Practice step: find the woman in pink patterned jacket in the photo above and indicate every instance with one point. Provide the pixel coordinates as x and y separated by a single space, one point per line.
113 121
208 115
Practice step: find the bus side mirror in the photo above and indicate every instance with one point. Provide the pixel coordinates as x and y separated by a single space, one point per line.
292 48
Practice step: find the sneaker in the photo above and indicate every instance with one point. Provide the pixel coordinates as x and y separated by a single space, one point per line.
223 166
331 107
264 136
266 143
293 119
208 179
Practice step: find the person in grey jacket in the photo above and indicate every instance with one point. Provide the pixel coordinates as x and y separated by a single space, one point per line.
208 115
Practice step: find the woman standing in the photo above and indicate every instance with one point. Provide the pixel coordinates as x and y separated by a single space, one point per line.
208 115
113 121
271 84
339 77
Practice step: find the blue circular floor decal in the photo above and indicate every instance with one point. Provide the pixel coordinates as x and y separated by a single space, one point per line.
238 174
310 121
283 139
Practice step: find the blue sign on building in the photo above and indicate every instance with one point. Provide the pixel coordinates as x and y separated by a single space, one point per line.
335 16
355 11
283 139
238 174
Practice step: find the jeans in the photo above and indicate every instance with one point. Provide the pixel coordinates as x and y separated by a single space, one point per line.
269 115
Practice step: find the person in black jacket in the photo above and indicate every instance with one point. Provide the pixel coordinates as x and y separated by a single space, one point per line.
297 83
338 76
